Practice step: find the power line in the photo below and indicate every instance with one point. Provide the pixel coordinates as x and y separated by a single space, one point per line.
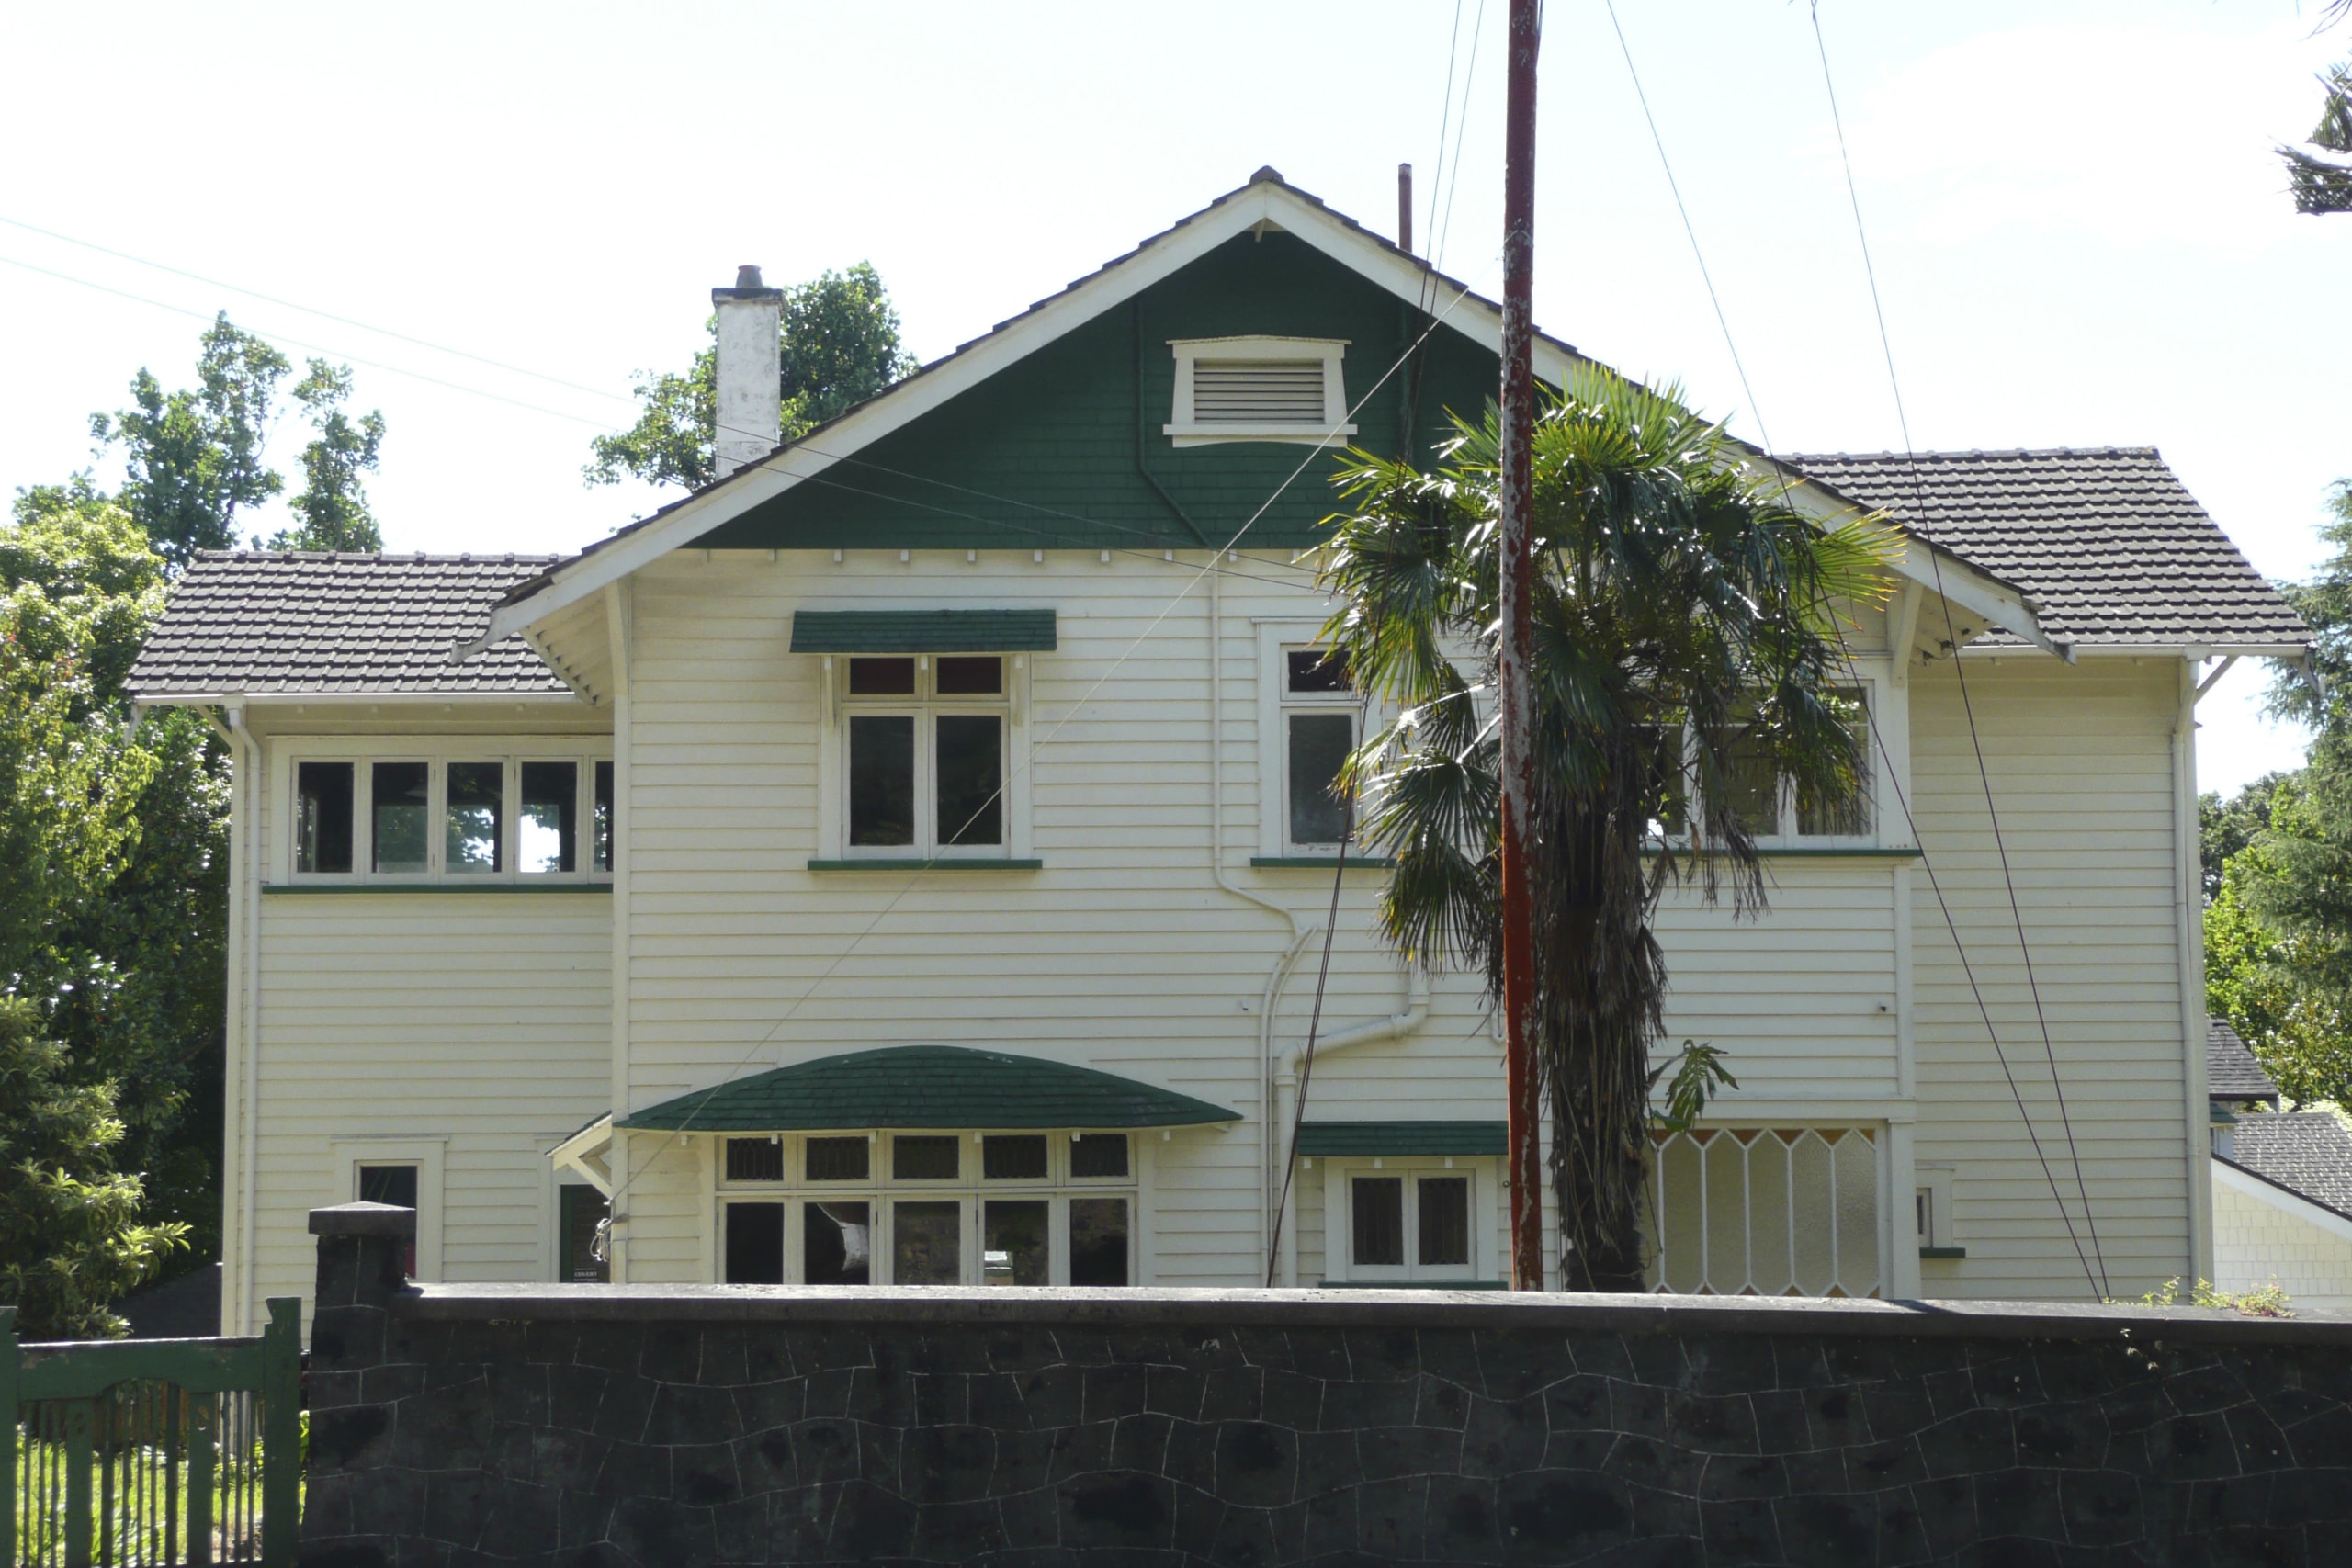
312 347
1968 707
1454 181
1028 762
311 310
1935 883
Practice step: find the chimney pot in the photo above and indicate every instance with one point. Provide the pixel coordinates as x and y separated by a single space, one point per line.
748 277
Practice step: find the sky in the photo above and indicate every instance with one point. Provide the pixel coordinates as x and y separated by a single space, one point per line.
2079 230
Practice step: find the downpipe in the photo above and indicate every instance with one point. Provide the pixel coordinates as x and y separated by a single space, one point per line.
1395 1026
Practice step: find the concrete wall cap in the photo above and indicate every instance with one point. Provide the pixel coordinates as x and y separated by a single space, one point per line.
364 1219
868 1306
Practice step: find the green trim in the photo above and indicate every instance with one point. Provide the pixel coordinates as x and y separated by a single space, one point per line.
1401 1139
923 631
1772 854
1941 1254
1319 862
1412 1285
450 886
920 864
927 1087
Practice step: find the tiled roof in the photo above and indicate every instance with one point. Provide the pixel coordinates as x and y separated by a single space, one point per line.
927 1086
2307 1152
2230 1071
254 621
2106 540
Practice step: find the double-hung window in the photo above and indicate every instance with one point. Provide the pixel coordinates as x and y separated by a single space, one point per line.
466 815
925 755
1319 712
1769 803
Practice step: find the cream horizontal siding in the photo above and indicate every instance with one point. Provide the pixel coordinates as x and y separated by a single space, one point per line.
480 1023
2081 766
2262 1239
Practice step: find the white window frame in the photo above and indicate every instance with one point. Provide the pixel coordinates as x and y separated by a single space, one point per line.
438 753
924 705
1338 1219
426 1154
881 1191
1277 639
1933 1196
1872 686
1333 430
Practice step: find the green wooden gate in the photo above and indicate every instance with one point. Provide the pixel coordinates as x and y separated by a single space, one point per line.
137 1451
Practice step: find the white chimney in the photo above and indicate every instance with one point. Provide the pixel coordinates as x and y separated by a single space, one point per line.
751 320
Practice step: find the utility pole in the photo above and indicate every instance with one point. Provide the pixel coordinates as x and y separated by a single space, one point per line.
1518 567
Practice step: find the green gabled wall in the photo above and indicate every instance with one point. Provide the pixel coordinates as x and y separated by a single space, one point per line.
1064 447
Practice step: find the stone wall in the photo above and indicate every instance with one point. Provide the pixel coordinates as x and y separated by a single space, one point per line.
685 1424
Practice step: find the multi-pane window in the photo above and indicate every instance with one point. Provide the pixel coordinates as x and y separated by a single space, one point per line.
1769 803
1320 709
1013 1208
1409 1224
925 755
463 817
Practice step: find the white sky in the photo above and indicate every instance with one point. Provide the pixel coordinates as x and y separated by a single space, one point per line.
2079 228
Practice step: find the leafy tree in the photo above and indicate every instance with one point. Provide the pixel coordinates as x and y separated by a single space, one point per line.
840 346
2319 174
2223 829
1675 597
77 1024
2257 980
332 504
195 456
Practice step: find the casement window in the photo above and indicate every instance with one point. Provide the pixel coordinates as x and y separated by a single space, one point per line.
1013 1208
404 1171
1421 1219
1319 712
1770 805
925 755
1259 389
466 815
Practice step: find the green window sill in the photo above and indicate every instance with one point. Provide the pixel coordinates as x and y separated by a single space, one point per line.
1318 862
920 864
451 886
1941 1254
1792 852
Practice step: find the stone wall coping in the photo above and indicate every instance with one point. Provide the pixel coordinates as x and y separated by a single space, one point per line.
364 1219
1157 1307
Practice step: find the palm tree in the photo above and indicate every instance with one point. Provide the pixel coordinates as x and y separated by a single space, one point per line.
1687 661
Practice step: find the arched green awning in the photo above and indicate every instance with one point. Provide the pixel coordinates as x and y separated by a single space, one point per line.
926 1086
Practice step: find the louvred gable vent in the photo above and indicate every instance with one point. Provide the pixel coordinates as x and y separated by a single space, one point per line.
1258 392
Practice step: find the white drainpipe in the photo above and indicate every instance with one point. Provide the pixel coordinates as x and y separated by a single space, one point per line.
1394 1026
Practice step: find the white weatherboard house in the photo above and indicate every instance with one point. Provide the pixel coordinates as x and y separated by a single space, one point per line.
905 859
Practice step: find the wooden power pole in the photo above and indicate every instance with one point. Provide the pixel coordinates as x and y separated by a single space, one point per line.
1518 567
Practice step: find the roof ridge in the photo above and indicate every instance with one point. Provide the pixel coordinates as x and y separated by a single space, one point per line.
1951 453
385 557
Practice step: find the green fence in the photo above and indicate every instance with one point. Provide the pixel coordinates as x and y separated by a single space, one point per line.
137 1451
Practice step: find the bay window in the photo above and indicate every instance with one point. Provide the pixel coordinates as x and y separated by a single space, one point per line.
466 816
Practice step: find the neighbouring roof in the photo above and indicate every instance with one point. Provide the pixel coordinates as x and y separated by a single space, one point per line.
2307 1152
922 631
1400 1140
2230 1071
248 622
927 1086
2107 541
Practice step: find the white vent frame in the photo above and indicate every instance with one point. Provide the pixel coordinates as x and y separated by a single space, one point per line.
1332 430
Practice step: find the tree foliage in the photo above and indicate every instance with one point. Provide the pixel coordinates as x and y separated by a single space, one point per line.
1683 640
2319 174
839 345
196 458
332 506
87 1009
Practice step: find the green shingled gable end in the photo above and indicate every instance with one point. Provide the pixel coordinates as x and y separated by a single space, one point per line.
1064 449
927 1086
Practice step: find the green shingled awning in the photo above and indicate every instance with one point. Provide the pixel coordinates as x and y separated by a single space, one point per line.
927 1086
922 631
1402 1139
